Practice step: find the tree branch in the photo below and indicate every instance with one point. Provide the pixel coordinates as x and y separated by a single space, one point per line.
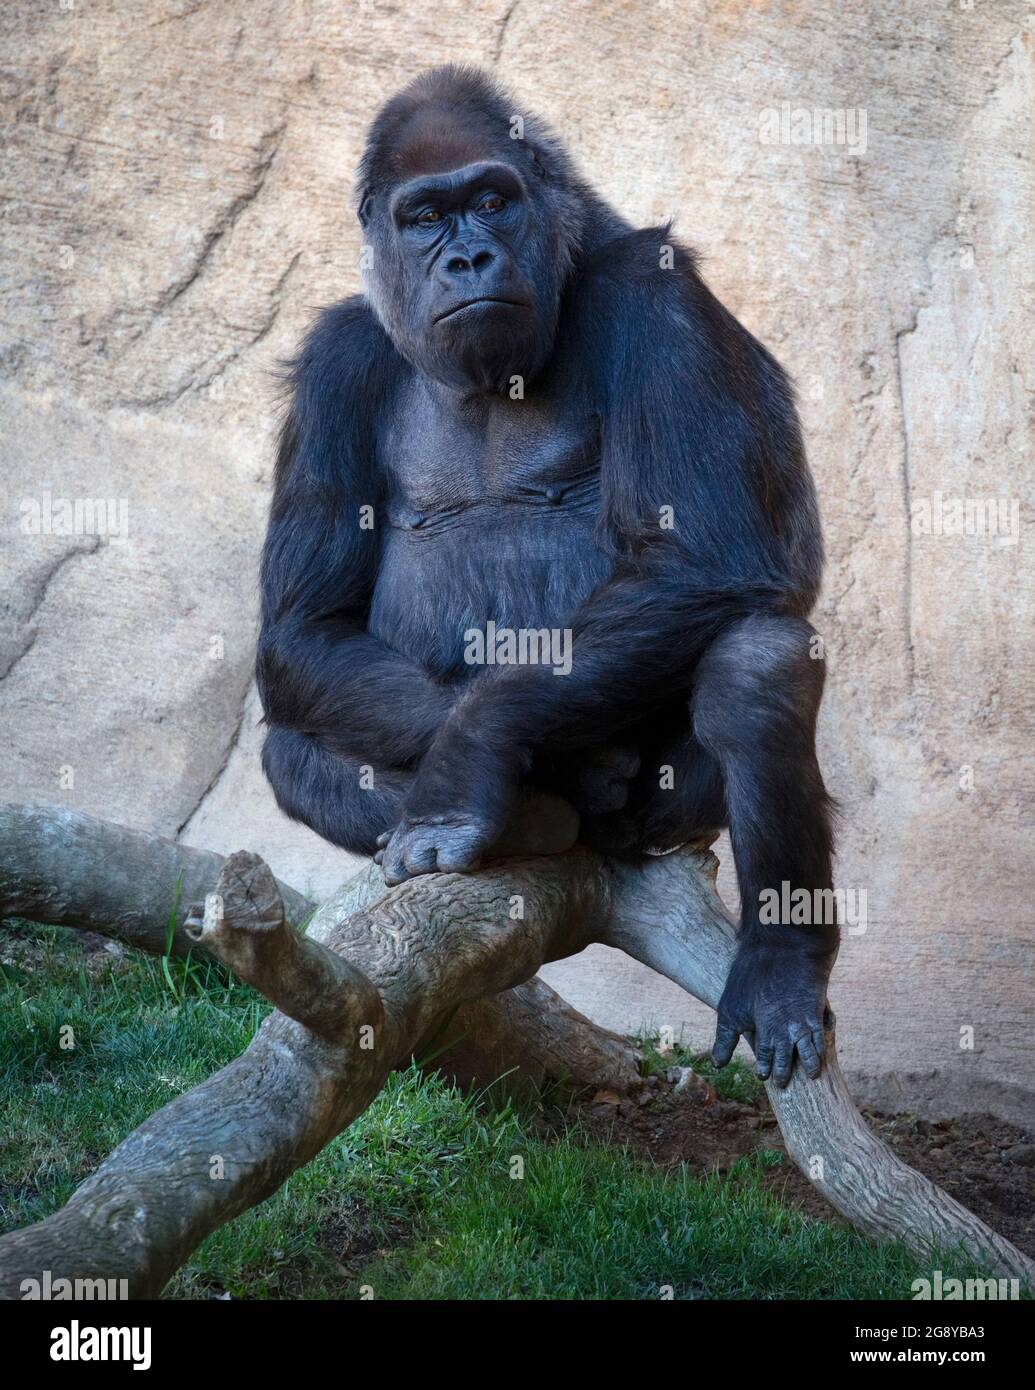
69 869
243 925
426 946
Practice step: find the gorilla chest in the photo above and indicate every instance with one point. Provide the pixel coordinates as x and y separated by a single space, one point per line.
443 463
489 515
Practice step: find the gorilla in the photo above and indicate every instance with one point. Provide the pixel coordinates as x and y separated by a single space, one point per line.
538 420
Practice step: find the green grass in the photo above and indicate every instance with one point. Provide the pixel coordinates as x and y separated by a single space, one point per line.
736 1081
421 1199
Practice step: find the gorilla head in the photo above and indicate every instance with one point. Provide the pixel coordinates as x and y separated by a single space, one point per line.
473 215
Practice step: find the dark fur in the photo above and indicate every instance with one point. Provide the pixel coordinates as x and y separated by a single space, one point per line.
691 644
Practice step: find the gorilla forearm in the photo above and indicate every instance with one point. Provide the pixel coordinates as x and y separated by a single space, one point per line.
355 804
347 800
635 644
354 693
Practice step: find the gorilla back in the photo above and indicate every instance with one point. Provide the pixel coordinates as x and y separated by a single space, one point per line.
538 419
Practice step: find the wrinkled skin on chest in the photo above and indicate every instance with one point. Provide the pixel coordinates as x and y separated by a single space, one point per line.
491 515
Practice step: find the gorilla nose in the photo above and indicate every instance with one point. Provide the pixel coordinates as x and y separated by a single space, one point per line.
462 261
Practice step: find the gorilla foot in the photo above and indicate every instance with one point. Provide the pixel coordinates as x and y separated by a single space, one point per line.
598 780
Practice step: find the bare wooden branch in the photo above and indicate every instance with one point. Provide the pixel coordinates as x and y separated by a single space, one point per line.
529 1034
243 925
69 869
529 1027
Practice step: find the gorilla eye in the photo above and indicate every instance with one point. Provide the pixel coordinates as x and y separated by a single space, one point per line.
429 217
493 204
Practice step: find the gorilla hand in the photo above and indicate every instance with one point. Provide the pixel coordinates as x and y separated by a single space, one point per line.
775 996
466 805
541 823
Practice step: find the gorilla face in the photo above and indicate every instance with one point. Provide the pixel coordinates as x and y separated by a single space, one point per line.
464 275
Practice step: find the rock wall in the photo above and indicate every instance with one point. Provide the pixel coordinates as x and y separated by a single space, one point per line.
176 203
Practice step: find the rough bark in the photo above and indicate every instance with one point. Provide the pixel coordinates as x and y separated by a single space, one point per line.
425 947
66 868
526 1036
413 955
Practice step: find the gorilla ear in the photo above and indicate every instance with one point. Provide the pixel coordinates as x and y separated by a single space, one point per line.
364 209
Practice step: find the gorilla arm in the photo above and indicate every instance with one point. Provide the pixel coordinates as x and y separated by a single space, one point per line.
319 671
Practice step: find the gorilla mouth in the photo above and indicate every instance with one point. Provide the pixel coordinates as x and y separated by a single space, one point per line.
482 299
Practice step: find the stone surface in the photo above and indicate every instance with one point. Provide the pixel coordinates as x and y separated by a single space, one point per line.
175 194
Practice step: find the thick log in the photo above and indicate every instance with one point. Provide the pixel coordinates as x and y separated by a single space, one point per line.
67 868
526 1036
425 947
529 1028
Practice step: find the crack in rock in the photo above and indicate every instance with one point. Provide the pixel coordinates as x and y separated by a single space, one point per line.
268 147
216 777
256 335
22 611
501 32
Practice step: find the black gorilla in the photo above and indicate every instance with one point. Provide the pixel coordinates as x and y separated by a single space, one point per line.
540 418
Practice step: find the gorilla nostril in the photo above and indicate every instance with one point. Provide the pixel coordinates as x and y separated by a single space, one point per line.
482 259
456 264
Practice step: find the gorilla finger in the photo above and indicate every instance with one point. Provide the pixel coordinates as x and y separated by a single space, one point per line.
764 1060
396 854
618 794
810 1058
725 1044
419 853
783 1064
379 856
383 838
393 866
461 853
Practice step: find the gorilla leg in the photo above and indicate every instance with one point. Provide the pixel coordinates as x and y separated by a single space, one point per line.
343 799
682 797
756 697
